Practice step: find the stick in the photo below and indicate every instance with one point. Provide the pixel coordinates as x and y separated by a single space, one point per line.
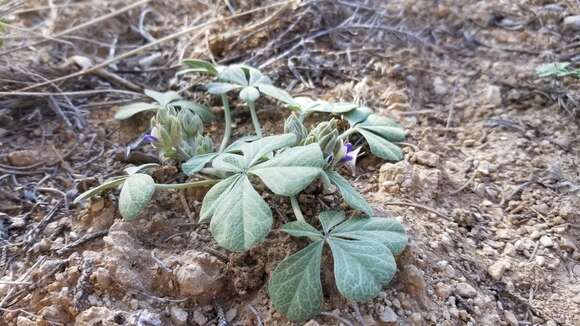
153 44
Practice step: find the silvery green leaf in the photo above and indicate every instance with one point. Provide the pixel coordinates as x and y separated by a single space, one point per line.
107 184
330 219
163 98
361 268
552 69
301 229
200 66
255 150
351 196
384 230
358 115
242 218
305 104
134 169
236 146
256 77
341 107
388 133
295 287
135 195
213 197
196 163
221 88
130 110
379 120
201 110
291 171
276 93
381 147
229 162
233 74
249 94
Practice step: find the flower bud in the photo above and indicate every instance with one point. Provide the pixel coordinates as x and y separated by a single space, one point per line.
191 123
203 145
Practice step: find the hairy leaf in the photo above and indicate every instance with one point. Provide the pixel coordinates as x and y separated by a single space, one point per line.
220 88
254 151
229 162
135 195
361 268
107 184
214 196
201 110
233 74
301 229
330 219
200 66
196 163
291 171
384 230
249 94
388 133
295 287
351 196
276 93
382 147
358 115
134 169
241 218
127 111
163 98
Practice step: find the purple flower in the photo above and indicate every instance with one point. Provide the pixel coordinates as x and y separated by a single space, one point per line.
148 138
347 150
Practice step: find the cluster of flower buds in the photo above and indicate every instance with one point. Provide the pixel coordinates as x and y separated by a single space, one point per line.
325 134
294 125
178 135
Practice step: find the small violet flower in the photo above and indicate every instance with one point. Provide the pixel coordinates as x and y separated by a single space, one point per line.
348 156
148 138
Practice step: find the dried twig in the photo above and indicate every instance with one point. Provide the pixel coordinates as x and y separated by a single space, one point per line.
82 240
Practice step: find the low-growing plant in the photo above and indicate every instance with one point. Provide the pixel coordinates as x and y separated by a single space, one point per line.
286 164
557 69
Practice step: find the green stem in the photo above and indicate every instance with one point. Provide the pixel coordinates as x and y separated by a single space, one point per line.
194 184
255 120
228 123
347 133
296 209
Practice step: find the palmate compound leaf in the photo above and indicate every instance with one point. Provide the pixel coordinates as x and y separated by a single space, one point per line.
135 195
256 150
213 197
361 268
241 218
291 171
350 195
384 230
295 287
163 98
196 163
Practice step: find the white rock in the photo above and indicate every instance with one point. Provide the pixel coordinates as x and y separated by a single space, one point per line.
439 86
511 318
497 269
493 95
388 316
546 241
572 23
178 316
465 290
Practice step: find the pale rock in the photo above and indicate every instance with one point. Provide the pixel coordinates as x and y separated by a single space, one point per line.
95 316
546 241
510 318
426 158
493 95
571 23
231 314
465 290
443 291
536 234
199 318
388 317
439 86
576 298
416 319
145 317
23 157
567 243
497 269
178 316
312 323
201 277
540 260
23 321
509 250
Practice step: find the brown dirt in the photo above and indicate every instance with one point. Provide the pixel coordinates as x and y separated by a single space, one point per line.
488 190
